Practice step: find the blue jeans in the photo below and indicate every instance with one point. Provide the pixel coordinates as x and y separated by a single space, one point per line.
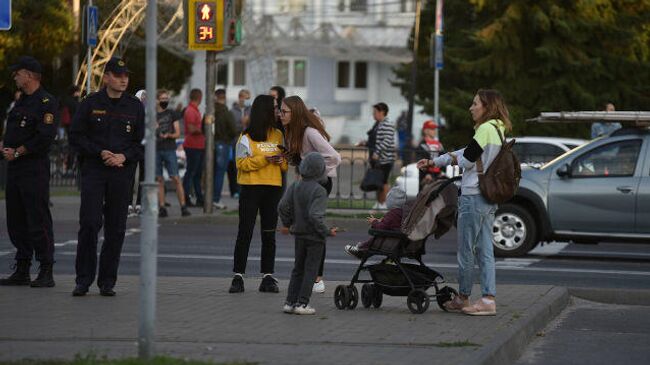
168 159
475 219
192 176
221 157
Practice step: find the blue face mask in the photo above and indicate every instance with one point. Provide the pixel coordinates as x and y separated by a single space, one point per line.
247 103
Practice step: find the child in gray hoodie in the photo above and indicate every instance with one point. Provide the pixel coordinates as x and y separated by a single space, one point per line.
302 209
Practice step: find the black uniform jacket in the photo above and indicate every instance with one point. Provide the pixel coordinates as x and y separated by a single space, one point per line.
31 124
100 124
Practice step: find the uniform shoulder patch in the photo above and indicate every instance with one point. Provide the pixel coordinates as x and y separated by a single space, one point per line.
46 100
48 118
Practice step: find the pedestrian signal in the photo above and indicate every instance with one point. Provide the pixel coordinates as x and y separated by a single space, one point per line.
205 25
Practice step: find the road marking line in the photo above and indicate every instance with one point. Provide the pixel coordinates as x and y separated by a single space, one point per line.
434 265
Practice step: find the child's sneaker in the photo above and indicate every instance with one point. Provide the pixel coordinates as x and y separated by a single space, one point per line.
482 307
288 308
319 287
352 250
304 309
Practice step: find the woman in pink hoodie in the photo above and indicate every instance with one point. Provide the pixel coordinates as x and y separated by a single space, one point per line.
305 133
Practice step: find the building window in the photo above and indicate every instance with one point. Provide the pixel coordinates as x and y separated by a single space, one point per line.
222 72
299 73
343 74
282 77
291 72
360 75
359 5
239 72
341 5
347 71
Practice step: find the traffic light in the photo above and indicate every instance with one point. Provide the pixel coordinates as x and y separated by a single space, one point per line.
232 20
205 28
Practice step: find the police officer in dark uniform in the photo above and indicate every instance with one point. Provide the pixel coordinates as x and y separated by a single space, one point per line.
107 131
29 133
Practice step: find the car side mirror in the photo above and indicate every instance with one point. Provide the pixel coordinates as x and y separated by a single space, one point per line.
564 171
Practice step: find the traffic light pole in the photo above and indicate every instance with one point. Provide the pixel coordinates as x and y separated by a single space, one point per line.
89 55
149 220
414 70
210 82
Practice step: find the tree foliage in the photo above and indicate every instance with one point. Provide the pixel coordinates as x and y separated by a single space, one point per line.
544 55
42 29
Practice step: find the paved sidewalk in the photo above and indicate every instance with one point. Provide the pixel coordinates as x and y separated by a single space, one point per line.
197 318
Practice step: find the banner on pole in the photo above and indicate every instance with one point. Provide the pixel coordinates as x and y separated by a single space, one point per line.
92 24
5 14
439 36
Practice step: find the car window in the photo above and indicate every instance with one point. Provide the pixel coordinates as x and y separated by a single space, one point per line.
611 160
536 152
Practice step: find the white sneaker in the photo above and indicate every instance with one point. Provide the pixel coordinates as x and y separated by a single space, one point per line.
376 206
319 287
131 212
138 209
383 206
288 308
304 309
218 205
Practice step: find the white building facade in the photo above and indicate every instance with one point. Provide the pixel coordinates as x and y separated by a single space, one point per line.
338 55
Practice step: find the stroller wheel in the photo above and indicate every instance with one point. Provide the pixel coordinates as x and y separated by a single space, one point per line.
417 301
377 296
444 295
354 296
367 294
341 297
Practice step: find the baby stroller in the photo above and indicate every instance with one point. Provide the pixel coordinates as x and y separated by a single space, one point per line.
432 213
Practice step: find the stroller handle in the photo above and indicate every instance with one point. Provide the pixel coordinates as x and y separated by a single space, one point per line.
434 194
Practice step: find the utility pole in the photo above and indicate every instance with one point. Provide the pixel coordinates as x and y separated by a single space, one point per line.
437 62
149 220
89 55
210 82
414 69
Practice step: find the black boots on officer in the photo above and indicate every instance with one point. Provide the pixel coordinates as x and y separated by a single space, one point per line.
21 276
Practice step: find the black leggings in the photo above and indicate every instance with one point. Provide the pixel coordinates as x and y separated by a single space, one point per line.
254 198
328 189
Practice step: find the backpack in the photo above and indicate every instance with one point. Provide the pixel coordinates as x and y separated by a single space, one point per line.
500 182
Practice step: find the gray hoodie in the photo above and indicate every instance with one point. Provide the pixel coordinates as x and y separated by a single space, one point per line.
303 205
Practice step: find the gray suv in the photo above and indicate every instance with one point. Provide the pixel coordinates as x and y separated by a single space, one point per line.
597 192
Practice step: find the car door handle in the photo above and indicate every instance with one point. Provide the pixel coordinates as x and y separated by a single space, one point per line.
624 189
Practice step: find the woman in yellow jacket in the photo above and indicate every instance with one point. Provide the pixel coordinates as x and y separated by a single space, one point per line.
259 173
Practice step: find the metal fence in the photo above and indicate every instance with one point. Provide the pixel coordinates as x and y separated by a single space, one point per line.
346 192
64 169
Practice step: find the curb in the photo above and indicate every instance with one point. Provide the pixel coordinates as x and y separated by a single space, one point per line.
613 296
511 345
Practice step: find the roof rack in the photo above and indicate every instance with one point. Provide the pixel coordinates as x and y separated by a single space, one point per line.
635 118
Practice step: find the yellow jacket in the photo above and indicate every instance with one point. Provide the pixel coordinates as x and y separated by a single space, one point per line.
252 166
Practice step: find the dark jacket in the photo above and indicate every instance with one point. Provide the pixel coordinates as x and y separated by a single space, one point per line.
303 205
225 130
31 123
101 125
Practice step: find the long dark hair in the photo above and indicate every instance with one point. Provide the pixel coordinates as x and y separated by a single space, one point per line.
262 118
301 118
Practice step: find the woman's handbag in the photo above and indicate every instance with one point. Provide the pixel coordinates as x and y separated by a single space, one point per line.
373 180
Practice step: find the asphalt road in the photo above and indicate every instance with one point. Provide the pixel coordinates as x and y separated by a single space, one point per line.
203 247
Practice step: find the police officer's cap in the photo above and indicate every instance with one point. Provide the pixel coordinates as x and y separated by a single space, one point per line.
116 66
28 63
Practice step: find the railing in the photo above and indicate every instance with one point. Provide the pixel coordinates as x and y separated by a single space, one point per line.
64 171
346 192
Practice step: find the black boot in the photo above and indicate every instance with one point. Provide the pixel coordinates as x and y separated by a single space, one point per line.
44 278
20 275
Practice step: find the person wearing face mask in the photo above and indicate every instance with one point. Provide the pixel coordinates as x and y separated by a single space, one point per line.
241 110
168 130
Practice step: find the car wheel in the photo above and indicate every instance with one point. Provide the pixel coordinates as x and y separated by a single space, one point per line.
514 232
